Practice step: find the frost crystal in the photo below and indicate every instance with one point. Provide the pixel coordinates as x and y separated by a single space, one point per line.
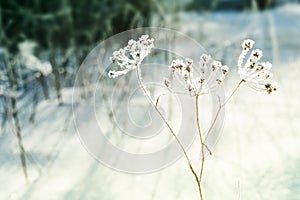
256 74
131 56
207 81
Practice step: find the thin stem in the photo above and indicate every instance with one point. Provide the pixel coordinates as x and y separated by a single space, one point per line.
198 120
202 162
158 111
138 73
214 121
220 107
234 91
209 151
199 187
201 139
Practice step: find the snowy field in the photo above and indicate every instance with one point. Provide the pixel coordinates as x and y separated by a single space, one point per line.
257 156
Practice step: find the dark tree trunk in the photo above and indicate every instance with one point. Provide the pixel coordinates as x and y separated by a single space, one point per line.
13 103
57 84
34 106
4 115
19 136
43 82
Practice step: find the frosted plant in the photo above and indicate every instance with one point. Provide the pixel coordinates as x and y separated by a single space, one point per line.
131 56
211 75
205 82
256 74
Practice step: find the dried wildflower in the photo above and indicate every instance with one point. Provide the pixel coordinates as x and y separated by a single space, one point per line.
256 74
247 44
115 74
131 56
224 69
206 82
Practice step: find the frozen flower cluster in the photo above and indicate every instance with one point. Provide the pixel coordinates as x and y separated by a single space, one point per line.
209 79
256 74
131 56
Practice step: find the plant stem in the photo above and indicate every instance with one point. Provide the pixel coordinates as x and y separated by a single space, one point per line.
220 107
198 120
214 121
138 73
234 91
202 146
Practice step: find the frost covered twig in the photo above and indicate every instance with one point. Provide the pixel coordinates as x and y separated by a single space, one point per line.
131 56
138 50
207 82
31 61
210 77
254 73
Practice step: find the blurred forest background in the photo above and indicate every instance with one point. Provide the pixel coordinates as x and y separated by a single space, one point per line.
43 43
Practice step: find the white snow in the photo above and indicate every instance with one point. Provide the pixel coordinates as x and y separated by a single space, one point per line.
259 146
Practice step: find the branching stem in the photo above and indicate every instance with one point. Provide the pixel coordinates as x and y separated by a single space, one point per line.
220 107
138 73
202 144
202 140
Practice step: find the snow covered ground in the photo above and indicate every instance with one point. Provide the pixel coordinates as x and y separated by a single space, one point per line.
257 156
